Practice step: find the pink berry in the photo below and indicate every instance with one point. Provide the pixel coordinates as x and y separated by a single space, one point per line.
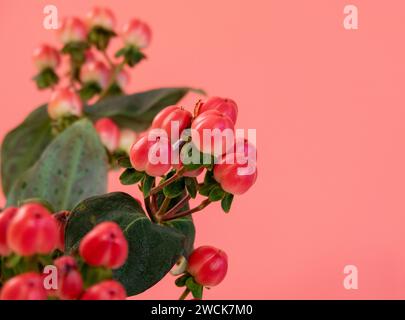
73 30
245 147
106 290
109 133
234 177
101 17
5 218
26 286
97 72
45 57
136 33
64 102
70 282
127 139
105 246
172 117
208 265
223 105
33 230
123 78
153 156
214 126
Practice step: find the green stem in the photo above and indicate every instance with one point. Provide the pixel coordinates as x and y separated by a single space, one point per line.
200 207
184 294
165 183
177 207
163 207
117 70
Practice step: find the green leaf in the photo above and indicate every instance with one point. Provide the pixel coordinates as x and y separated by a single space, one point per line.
147 185
227 202
131 176
23 146
181 281
195 288
216 194
175 189
153 249
191 186
136 111
72 168
124 162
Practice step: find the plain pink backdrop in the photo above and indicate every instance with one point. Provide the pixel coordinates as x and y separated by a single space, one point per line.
329 108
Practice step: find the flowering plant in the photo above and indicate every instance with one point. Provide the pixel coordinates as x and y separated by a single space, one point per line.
59 216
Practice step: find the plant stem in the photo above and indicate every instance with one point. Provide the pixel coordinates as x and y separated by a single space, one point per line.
177 207
163 207
116 71
165 183
200 207
107 58
184 294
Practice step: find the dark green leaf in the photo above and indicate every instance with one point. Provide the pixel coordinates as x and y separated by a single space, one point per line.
136 111
124 162
226 202
72 168
23 146
216 194
174 189
181 281
153 249
191 186
195 288
147 185
131 176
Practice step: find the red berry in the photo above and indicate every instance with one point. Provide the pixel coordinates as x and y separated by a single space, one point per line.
136 33
64 102
33 230
70 282
96 71
212 126
73 30
26 286
101 17
105 246
153 157
225 106
45 57
61 219
106 290
127 139
208 265
234 177
172 117
109 133
244 147
5 218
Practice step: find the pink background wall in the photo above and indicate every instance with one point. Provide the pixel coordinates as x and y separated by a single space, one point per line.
329 108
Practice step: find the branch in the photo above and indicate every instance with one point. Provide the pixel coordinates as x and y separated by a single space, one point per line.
165 183
200 207
177 207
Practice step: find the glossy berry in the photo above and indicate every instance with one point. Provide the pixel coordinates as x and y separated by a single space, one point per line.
106 290
153 156
97 72
64 102
109 133
235 176
244 147
45 57
61 219
105 246
225 106
215 126
101 17
73 30
172 117
5 218
26 286
208 265
33 230
127 139
136 33
123 78
70 282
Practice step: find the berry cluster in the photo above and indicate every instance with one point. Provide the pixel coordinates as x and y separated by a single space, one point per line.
175 149
91 71
32 239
